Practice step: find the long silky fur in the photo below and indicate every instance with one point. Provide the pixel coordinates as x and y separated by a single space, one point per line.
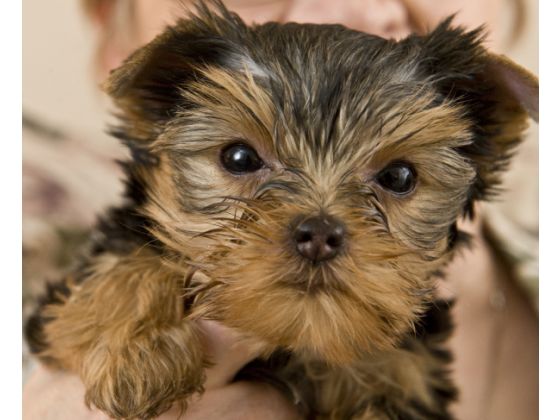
326 108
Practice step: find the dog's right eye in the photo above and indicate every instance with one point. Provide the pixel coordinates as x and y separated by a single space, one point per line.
240 159
398 177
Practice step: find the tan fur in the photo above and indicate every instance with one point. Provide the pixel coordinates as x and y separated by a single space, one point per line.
224 242
398 375
242 287
358 306
127 310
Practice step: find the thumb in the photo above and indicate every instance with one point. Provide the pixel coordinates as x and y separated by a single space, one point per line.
227 352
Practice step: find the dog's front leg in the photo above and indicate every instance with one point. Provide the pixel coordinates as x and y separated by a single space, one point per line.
123 330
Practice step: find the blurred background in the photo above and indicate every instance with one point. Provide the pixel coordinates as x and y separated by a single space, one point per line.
58 84
58 75
69 174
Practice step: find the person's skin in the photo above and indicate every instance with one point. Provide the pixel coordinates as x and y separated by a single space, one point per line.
495 342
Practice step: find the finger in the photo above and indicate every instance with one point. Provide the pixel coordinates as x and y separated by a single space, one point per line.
56 395
240 400
228 351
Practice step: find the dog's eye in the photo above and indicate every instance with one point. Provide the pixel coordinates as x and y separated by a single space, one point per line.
398 177
240 159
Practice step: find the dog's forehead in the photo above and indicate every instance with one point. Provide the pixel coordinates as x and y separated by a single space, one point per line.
331 88
315 68
321 95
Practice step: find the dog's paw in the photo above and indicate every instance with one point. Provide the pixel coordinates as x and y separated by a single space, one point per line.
143 376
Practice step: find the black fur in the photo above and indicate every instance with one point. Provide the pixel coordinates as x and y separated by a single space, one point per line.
451 60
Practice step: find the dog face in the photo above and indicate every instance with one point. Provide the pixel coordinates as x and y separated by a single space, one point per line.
308 178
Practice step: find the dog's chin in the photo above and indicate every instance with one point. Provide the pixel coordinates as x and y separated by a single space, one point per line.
319 318
317 281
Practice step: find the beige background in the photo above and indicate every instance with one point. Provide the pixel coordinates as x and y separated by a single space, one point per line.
59 91
58 80
57 70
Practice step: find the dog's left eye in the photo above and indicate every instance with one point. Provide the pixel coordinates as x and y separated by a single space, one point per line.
240 158
398 177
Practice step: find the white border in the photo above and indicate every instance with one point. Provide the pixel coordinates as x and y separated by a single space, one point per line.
11 232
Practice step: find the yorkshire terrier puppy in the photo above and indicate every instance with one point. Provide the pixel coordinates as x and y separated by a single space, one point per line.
300 184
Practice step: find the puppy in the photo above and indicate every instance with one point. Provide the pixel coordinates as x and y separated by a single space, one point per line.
298 183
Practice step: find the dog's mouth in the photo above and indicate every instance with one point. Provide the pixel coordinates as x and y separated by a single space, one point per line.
307 279
321 278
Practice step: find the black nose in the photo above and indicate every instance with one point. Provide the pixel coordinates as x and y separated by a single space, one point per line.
319 238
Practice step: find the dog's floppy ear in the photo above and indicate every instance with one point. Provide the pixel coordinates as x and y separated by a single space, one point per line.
498 97
516 85
147 87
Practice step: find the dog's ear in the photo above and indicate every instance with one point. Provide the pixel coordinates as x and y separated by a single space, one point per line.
147 87
498 97
515 85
